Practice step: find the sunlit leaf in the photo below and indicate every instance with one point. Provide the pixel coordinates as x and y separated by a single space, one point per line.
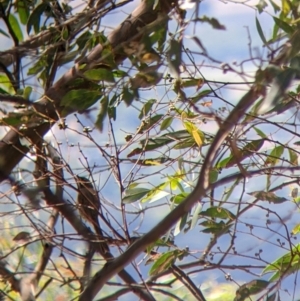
23 11
284 265
285 7
14 23
194 132
6 85
27 91
296 229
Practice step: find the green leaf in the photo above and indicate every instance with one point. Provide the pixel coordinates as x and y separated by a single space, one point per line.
251 288
218 212
38 66
212 21
120 73
179 198
284 26
284 265
213 175
15 27
262 4
134 194
293 157
163 140
4 33
145 79
100 74
80 100
128 96
164 262
296 229
198 82
147 108
162 35
23 11
180 224
155 194
272 297
224 162
275 6
286 8
34 18
27 91
275 155
188 143
195 217
268 196
166 123
6 85
247 151
200 95
149 123
102 114
260 31
174 55
195 133
217 228
260 133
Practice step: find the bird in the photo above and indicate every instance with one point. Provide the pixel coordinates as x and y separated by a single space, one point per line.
89 205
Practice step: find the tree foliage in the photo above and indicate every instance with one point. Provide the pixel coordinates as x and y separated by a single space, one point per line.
194 158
